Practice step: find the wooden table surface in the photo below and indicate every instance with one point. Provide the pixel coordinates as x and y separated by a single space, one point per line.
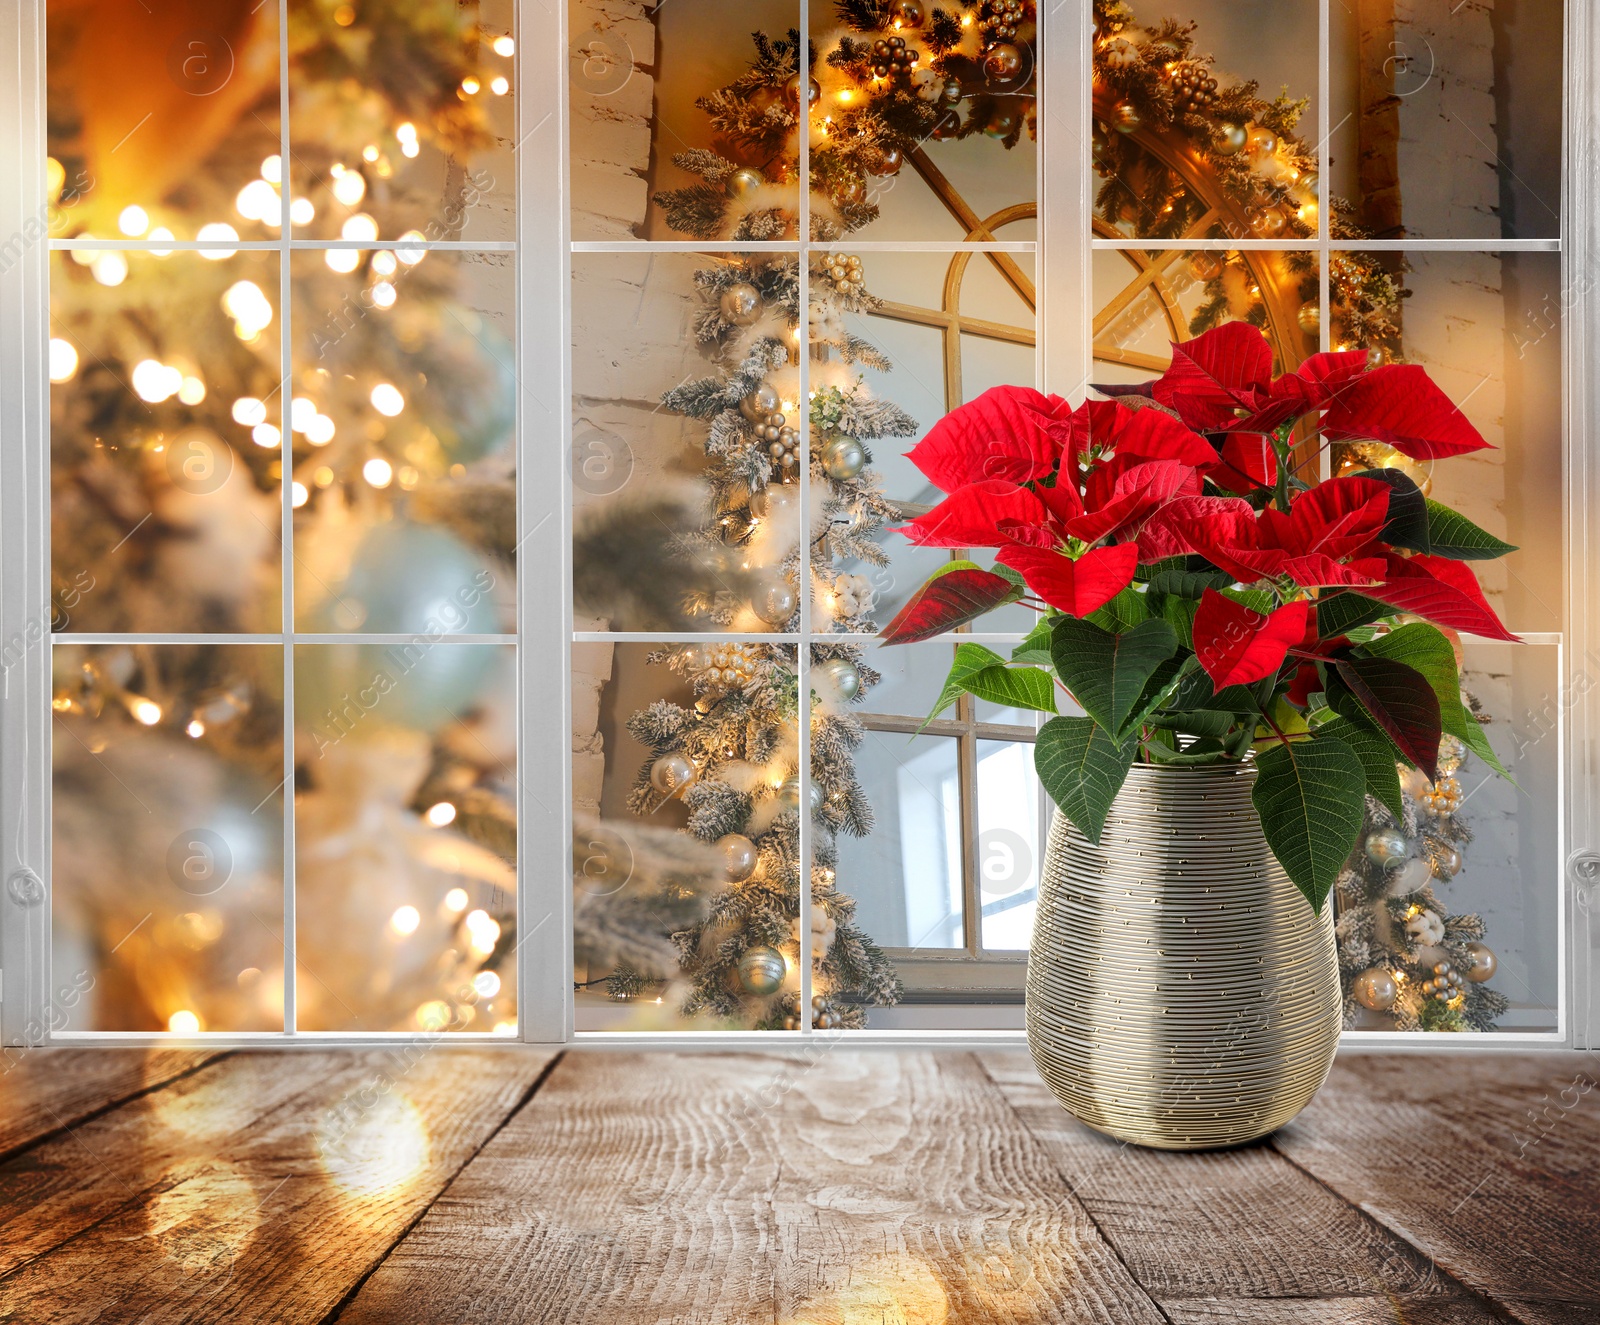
869 1188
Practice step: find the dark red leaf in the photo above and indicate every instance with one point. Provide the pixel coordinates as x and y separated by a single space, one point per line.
1236 646
1400 405
947 601
1399 699
1075 587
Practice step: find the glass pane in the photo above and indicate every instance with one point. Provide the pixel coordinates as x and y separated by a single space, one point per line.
1011 821
405 837
907 876
952 325
686 801
403 128
1507 865
1446 125
1146 299
1487 328
916 136
165 456
160 116
403 430
646 107
1185 140
167 853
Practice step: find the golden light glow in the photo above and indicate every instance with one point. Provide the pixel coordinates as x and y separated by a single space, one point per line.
266 435
109 268
349 187
196 729
133 221
319 432
405 920
378 472
218 232
504 46
499 86
486 984
470 85
299 495
63 360
301 211
483 932
272 169
183 1022
342 260
387 400
441 814
376 1149
359 227
249 411
456 900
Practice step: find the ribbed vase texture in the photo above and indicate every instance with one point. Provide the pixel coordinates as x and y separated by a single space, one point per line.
1181 992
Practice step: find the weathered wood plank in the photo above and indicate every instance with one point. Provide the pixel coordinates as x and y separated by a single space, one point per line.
261 1189
718 1190
1489 1163
1236 1234
45 1090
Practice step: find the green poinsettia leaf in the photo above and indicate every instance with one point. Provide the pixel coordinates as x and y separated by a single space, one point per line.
1193 755
1311 796
1451 534
1337 613
984 673
1425 648
1406 523
1212 723
1376 754
1123 612
1083 769
1164 682
1107 673
1035 647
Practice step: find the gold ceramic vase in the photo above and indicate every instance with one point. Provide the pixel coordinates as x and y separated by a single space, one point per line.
1181 992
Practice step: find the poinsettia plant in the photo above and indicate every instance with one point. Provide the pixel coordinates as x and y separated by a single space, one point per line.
1200 602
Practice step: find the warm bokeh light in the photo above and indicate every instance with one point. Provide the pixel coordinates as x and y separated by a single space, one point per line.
183 1022
405 920
441 814
63 360
387 400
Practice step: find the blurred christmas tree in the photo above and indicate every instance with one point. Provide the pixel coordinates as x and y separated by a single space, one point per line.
174 433
1405 962
891 77
733 757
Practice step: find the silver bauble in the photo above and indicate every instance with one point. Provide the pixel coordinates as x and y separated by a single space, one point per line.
739 857
1481 962
843 458
841 677
759 403
671 773
740 304
774 600
1448 864
761 971
1386 846
1375 988
789 794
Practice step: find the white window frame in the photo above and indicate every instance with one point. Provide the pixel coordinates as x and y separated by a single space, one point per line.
545 964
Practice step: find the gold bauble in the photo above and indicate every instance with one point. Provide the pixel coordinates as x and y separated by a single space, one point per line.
1232 139
1481 962
1375 989
1206 266
761 971
1309 316
1124 118
1260 142
745 181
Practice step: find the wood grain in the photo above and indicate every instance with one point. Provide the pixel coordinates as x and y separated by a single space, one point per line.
720 1189
260 1189
1490 1164
45 1090
1233 1234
